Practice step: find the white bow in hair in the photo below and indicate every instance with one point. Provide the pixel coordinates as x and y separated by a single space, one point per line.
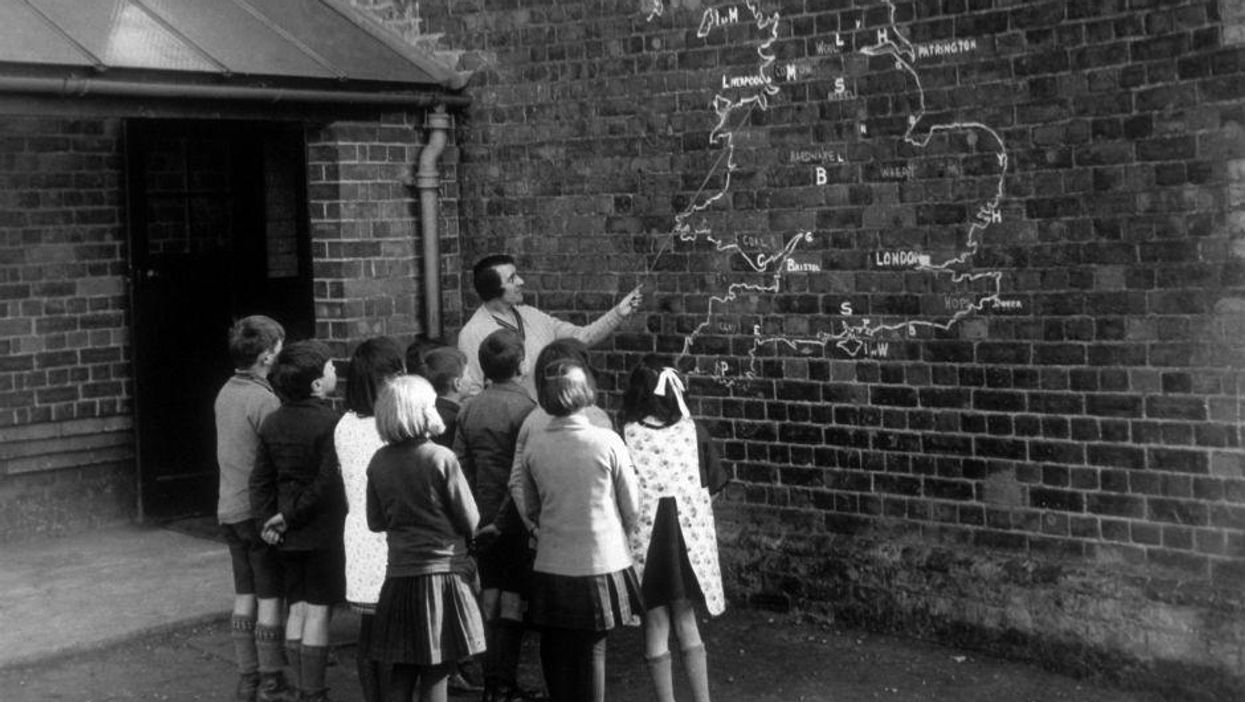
670 378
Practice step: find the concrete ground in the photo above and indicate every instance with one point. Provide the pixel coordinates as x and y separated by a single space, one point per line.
141 614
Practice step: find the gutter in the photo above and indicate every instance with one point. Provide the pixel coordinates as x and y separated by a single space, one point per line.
84 87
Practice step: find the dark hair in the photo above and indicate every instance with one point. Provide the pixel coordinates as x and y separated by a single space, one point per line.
375 361
501 355
298 366
640 399
416 351
565 388
488 283
442 366
560 350
250 337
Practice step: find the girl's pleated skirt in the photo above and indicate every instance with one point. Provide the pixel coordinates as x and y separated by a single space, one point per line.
426 620
589 602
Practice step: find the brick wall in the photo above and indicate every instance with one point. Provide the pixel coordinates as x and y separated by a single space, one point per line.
365 227
959 282
65 396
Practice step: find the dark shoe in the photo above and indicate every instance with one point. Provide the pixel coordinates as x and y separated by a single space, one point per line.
518 694
459 685
273 688
248 685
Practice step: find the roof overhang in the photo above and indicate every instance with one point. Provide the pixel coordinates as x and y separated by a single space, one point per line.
218 56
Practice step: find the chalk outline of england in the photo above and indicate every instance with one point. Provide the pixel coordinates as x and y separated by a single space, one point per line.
854 337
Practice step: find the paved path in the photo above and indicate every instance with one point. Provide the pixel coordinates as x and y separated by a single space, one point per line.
141 614
59 595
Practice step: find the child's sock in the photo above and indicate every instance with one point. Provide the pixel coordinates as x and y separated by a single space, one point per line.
659 669
314 659
242 632
696 664
508 639
270 648
294 658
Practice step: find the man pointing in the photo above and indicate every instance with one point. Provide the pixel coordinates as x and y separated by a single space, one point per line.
498 284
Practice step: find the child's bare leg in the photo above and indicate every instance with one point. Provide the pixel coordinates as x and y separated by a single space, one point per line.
316 624
693 649
657 652
244 606
268 611
685 628
294 642
433 682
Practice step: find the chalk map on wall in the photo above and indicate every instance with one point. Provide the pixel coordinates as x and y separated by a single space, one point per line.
767 260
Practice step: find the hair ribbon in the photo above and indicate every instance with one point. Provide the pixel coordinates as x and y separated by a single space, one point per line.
669 378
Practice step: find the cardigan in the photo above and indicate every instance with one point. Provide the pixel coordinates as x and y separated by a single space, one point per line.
537 421
580 489
417 495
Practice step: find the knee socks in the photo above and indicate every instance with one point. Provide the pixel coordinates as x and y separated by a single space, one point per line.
242 632
659 668
294 661
696 664
504 652
270 648
313 661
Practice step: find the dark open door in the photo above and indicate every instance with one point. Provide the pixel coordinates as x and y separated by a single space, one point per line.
218 230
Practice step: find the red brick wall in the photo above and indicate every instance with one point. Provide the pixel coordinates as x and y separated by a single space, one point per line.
1025 440
66 441
367 233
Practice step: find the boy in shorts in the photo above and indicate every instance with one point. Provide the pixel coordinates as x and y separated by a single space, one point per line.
299 502
485 441
242 405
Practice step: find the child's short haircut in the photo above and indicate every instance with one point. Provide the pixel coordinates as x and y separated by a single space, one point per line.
250 337
375 361
417 350
407 409
565 389
444 365
297 367
501 355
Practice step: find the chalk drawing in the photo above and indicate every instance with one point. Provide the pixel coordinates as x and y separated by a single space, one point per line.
742 94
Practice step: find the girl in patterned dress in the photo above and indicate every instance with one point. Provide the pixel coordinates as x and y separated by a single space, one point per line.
673 545
356 440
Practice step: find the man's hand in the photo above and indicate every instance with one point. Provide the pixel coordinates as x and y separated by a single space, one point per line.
631 302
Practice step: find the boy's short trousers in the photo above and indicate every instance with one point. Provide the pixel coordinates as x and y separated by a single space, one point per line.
256 565
506 564
316 577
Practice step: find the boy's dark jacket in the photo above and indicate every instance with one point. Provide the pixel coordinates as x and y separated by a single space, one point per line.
296 474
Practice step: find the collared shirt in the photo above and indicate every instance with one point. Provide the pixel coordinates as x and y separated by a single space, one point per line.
539 329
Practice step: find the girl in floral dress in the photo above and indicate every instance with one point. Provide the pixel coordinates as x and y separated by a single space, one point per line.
674 544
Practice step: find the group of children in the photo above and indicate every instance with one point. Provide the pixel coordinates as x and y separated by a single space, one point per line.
453 525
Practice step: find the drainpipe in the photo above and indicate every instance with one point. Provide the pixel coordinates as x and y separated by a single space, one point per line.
428 181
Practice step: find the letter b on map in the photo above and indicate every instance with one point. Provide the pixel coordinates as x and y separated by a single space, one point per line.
822 177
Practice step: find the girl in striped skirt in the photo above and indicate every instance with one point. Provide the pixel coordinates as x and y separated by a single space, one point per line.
427 616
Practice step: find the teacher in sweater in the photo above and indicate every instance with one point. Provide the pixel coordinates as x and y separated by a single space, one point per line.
497 282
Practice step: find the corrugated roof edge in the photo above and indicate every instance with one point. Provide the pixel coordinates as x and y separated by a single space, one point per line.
445 75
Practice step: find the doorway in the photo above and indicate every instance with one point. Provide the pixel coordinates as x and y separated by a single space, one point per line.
217 230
